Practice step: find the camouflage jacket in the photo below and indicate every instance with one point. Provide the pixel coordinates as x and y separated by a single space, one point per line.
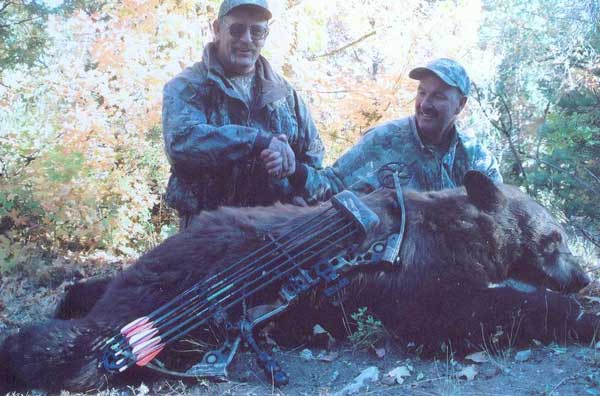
398 141
213 139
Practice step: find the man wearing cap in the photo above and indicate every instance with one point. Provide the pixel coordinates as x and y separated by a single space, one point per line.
234 130
428 149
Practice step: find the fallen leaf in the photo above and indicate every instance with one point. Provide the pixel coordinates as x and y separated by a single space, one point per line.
468 373
558 349
306 354
523 356
398 374
327 356
478 357
142 390
368 375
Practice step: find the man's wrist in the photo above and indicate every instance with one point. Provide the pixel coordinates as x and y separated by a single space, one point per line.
262 141
298 179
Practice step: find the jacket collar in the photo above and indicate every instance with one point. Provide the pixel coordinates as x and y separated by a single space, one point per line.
271 87
454 140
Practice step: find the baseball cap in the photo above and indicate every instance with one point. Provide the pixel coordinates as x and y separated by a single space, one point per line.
448 70
228 5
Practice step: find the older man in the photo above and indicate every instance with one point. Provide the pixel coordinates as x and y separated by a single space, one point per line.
428 149
234 130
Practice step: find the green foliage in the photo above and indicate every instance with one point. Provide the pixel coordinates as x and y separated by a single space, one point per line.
543 103
9 251
61 167
568 164
67 191
541 45
23 38
369 331
17 211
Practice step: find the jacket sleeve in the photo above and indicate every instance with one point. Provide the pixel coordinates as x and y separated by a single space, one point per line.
482 160
355 170
191 143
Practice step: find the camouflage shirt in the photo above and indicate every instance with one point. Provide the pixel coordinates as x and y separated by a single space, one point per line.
422 168
213 137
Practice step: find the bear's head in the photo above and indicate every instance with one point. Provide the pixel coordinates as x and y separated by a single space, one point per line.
536 250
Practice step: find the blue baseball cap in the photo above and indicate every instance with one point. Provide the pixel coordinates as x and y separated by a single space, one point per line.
228 5
448 70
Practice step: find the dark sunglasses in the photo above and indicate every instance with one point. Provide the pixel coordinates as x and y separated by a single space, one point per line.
257 32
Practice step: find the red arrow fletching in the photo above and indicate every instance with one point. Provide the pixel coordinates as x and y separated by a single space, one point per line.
147 356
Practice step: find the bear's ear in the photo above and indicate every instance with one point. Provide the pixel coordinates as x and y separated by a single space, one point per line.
483 192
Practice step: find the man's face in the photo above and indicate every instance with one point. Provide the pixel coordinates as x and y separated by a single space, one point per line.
239 39
436 106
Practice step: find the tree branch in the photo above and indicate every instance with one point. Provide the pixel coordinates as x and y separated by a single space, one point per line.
5 6
505 130
479 100
581 182
343 48
538 143
21 22
586 234
510 125
4 166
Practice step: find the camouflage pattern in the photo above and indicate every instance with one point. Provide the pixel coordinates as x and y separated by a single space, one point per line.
229 5
213 138
422 168
448 70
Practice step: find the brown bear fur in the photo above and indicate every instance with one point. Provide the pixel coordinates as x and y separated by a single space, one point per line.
460 248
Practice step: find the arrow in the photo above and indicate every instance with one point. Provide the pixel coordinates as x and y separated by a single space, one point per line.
147 355
127 329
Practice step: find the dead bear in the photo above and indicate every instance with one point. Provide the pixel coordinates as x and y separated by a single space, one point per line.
462 250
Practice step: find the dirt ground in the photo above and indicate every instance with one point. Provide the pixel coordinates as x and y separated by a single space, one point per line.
543 370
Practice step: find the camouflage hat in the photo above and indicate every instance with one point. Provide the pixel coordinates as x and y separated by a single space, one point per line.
448 70
228 5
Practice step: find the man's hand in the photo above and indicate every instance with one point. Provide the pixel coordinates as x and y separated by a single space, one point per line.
279 158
